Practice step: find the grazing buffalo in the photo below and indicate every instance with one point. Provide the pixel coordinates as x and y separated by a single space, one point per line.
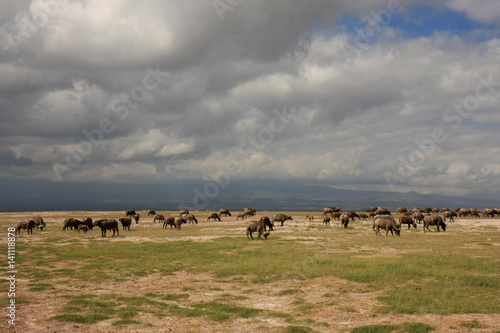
336 216
83 227
326 220
126 222
25 225
382 211
353 215
107 224
179 222
267 223
449 215
224 212
251 211
402 210
407 220
344 220
88 222
184 212
71 223
387 223
281 218
190 218
170 221
418 217
434 220
260 227
174 222
213 216
40 224
151 212
130 213
464 212
363 216
159 218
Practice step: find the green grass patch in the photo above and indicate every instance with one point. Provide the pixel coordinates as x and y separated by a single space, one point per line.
220 311
416 328
375 329
287 292
297 329
124 322
406 328
472 324
81 319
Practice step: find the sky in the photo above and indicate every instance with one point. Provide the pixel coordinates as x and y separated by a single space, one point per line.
361 95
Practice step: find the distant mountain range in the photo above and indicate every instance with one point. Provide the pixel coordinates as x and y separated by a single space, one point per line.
260 194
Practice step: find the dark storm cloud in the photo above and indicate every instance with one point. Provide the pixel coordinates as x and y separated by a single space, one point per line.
124 91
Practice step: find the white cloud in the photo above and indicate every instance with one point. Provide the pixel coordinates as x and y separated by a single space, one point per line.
487 11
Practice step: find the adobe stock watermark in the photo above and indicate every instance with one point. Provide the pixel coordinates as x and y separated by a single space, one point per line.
29 25
249 146
121 109
223 6
453 117
367 34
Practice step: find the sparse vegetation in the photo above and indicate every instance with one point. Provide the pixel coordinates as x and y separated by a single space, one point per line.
231 278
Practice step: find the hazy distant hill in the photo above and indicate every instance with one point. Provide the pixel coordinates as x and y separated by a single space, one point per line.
263 195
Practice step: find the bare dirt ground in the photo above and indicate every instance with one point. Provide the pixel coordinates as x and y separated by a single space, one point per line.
339 305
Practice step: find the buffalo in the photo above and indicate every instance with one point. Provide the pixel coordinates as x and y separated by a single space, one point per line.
434 220
126 222
71 223
224 212
213 216
107 224
25 225
259 226
387 223
407 220
160 218
280 218
40 224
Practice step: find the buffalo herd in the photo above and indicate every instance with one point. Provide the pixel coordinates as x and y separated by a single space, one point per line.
382 219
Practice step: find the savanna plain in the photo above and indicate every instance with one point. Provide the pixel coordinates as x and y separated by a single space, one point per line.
208 277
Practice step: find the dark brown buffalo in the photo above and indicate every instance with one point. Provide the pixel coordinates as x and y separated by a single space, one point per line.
213 216
107 224
40 224
25 225
71 223
449 215
159 218
224 212
130 213
281 218
434 220
260 227
407 220
126 222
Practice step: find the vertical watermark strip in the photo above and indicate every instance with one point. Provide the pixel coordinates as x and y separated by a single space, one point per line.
11 272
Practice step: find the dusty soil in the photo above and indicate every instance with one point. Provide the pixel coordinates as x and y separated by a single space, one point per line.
339 305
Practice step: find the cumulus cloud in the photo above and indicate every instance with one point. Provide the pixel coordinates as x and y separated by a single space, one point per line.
225 86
